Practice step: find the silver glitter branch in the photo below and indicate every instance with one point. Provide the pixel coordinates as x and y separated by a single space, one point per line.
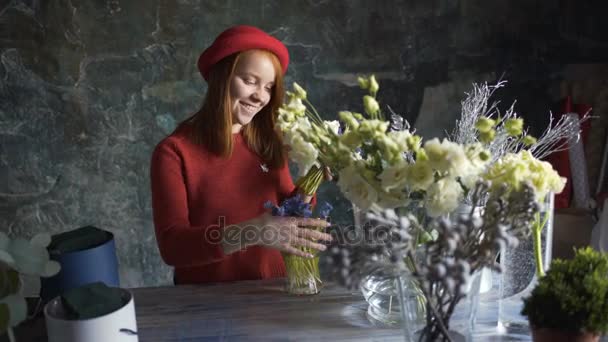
473 107
557 137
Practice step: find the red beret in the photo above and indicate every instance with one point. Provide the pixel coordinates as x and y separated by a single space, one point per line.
237 39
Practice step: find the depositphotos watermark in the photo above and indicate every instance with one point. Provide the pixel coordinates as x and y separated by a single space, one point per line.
289 230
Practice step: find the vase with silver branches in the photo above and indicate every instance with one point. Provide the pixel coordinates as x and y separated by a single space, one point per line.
502 134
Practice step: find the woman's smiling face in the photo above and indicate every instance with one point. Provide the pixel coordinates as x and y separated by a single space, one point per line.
250 87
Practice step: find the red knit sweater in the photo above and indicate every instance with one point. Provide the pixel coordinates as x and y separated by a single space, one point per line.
195 194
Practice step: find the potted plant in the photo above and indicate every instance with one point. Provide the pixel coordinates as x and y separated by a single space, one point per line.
570 303
20 257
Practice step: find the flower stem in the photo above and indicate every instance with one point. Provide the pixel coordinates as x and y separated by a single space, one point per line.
537 230
303 274
311 181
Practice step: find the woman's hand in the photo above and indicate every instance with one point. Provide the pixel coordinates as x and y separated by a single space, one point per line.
286 234
327 175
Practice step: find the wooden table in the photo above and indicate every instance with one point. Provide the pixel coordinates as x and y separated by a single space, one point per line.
259 310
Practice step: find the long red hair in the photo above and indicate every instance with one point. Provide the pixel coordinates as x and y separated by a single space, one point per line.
213 122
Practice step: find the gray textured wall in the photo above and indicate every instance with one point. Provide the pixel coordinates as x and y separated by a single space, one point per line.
87 88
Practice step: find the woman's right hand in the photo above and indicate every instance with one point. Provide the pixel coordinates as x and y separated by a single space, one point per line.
286 234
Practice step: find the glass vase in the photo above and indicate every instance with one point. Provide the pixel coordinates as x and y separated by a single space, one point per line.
460 325
303 275
380 288
519 274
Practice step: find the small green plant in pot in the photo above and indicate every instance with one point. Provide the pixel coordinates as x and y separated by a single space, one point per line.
570 303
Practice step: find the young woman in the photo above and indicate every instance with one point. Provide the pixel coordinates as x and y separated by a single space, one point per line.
211 177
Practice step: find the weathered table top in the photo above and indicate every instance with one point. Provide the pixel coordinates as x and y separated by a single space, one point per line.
260 310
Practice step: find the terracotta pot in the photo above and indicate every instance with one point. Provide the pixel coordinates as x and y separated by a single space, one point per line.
550 335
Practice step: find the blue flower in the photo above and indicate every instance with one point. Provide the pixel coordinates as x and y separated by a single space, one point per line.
325 209
268 205
292 206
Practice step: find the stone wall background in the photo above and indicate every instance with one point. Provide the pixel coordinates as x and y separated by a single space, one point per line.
87 88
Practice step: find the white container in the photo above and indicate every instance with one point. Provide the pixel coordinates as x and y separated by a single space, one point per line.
117 326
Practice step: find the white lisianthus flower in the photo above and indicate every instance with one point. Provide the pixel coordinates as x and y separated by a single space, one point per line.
297 128
447 157
392 199
394 176
351 139
303 153
390 151
478 159
296 106
333 126
544 178
509 170
400 138
515 169
443 197
356 189
370 128
420 175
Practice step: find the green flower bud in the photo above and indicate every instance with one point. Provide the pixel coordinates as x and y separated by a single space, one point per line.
373 85
359 116
487 137
371 105
529 140
348 119
363 82
421 155
299 91
514 127
484 156
484 124
413 142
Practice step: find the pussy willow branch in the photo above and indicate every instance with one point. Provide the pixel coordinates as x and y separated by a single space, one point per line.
427 294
